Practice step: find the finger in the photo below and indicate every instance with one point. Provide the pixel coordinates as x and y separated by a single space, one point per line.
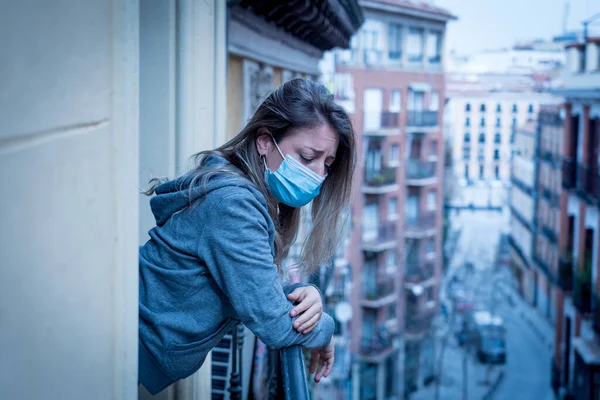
295 294
306 316
329 367
310 323
300 308
320 373
314 362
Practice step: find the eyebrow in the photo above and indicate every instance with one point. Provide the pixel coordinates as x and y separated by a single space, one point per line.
319 152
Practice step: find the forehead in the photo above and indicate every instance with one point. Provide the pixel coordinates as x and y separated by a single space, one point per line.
321 138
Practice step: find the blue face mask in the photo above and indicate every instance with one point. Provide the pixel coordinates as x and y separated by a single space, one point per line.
293 183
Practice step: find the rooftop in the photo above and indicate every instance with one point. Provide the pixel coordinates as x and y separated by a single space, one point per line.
416 5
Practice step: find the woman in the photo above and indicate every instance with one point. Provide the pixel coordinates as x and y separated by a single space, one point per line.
223 230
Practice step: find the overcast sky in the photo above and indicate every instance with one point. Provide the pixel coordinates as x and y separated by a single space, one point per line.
484 24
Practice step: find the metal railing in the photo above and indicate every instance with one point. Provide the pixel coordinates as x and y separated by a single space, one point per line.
419 169
376 344
382 177
418 321
568 173
385 119
418 271
423 221
384 232
422 118
377 290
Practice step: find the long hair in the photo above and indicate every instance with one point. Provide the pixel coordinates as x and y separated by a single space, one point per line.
296 104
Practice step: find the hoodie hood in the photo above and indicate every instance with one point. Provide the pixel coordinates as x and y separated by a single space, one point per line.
174 195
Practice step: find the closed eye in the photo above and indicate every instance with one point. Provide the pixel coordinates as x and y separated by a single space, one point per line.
305 158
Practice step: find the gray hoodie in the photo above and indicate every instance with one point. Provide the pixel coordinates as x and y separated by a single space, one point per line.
206 268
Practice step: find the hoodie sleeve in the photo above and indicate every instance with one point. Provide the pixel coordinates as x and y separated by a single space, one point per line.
234 244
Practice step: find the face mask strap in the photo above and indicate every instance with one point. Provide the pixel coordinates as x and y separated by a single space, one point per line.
278 149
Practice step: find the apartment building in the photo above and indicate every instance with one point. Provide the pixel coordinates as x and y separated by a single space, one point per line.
392 81
577 352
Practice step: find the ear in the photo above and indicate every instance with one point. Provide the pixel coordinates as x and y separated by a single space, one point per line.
263 141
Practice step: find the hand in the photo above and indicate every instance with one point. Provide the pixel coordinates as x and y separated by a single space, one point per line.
310 308
323 359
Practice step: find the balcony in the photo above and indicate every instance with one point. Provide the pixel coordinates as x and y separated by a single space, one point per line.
378 123
380 239
420 173
541 265
416 272
582 291
380 181
568 173
555 376
378 294
565 272
420 226
422 119
418 322
377 348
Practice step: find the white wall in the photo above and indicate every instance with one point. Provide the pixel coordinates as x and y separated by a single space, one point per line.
69 169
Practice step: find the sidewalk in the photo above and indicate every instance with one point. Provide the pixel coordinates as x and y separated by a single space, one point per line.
540 325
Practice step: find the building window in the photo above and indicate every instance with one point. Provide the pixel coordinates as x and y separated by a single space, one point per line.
530 108
434 100
514 109
434 47
480 171
496 154
393 207
394 42
498 108
394 155
482 107
497 138
431 200
480 154
497 172
514 122
415 45
466 153
467 121
468 107
498 122
467 171
482 123
482 137
395 100
467 137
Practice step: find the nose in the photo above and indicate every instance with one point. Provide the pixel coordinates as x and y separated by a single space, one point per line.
319 170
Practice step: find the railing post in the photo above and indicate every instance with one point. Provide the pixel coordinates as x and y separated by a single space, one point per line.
235 382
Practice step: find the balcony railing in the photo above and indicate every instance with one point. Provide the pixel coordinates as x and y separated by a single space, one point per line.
385 233
597 313
377 290
382 177
375 345
565 272
380 122
418 321
568 173
422 118
421 223
418 271
582 290
419 169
